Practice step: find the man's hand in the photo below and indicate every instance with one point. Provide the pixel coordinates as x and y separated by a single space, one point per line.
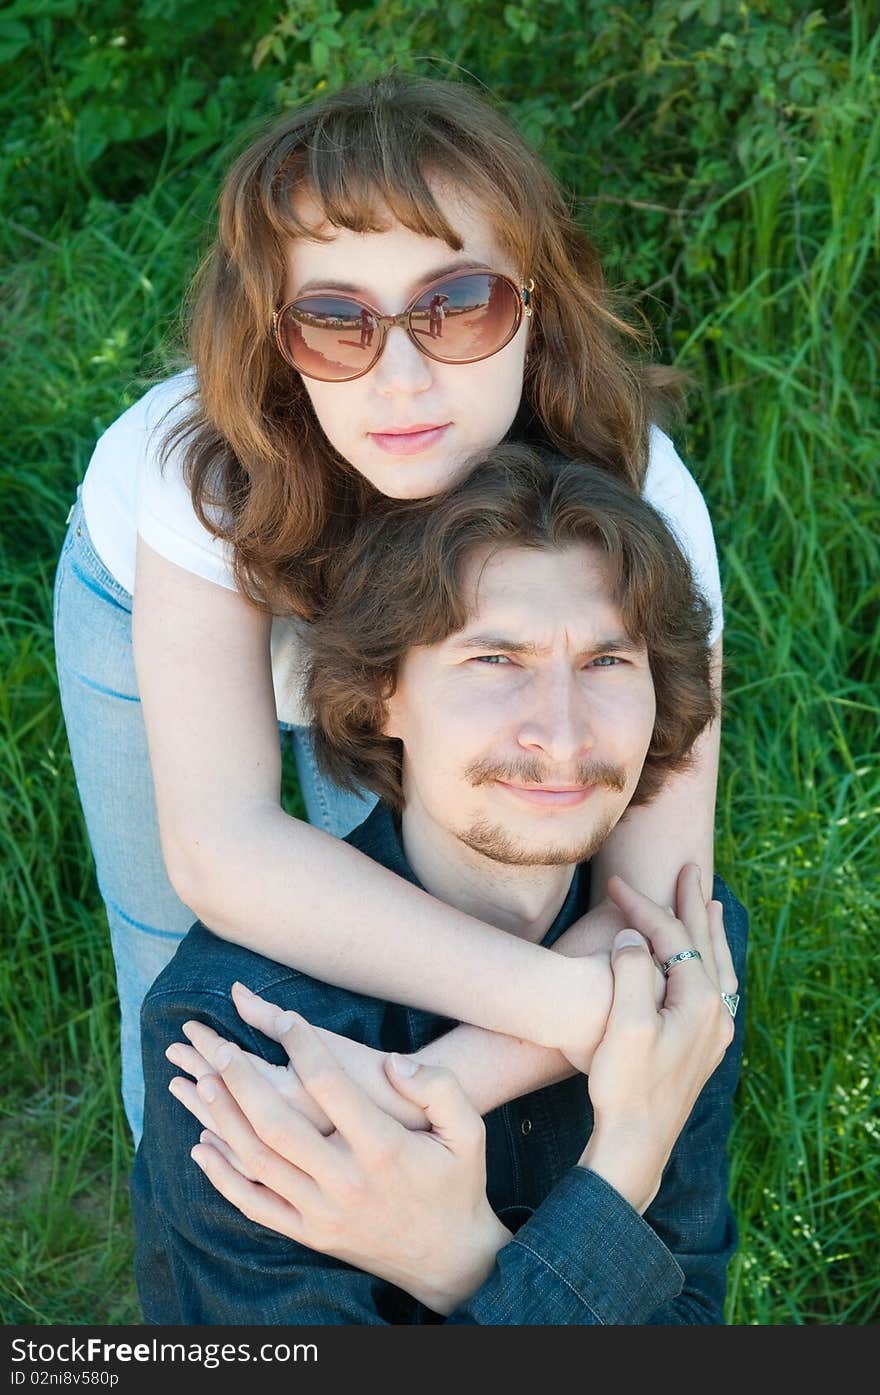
589 943
409 1206
651 1065
594 933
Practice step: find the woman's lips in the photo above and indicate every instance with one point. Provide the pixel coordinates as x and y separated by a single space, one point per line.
548 797
412 441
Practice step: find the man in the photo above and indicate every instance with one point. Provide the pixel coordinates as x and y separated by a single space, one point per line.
509 669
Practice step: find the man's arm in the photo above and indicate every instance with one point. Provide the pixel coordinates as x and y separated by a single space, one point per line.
198 1259
587 1255
202 1260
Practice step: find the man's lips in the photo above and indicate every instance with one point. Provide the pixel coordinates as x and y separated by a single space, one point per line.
549 796
409 440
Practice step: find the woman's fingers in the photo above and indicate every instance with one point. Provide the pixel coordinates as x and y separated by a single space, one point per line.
256 1011
258 1125
365 1127
187 1058
185 1091
215 1141
209 1043
202 1037
256 1202
283 1079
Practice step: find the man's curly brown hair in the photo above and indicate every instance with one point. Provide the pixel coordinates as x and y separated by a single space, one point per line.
397 585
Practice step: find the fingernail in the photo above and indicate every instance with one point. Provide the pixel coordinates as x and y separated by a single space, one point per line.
223 1057
174 1087
624 938
207 1088
196 1160
243 989
403 1065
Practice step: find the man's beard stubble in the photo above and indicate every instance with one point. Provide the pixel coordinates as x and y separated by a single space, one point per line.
493 841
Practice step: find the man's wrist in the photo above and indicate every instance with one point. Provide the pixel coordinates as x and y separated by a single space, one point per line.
469 1268
628 1161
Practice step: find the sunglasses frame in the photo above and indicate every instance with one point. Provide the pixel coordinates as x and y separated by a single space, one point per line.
523 297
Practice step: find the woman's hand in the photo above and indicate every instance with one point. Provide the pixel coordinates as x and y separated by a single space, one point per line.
652 1063
362 1063
409 1206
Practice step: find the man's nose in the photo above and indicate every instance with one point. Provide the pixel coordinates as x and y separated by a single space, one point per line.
401 367
557 723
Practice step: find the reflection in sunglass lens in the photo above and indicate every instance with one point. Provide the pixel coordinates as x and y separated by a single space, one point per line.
460 320
329 337
465 318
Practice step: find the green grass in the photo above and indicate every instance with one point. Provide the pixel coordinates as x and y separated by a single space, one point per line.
777 320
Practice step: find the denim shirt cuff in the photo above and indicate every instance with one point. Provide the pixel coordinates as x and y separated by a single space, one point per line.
601 1262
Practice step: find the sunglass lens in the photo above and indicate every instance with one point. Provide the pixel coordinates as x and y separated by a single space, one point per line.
329 337
466 318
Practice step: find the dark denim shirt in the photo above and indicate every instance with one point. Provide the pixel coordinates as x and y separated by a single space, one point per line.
580 1254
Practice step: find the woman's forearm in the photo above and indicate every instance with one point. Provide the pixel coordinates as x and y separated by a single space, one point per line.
493 1068
304 898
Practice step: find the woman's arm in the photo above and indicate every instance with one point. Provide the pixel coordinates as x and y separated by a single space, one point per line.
291 892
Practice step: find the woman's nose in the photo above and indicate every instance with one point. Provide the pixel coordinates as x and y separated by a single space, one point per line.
401 367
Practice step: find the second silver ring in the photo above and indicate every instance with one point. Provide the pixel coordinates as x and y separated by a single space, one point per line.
680 958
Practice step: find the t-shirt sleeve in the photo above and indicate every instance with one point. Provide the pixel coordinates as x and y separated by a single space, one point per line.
166 519
672 490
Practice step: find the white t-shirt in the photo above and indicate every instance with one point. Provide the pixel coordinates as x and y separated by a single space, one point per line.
125 493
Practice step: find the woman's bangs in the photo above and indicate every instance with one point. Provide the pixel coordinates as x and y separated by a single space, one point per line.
360 183
358 180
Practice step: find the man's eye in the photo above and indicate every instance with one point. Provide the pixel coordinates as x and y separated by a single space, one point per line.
492 659
605 660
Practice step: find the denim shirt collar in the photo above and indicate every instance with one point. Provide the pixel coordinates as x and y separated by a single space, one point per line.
379 838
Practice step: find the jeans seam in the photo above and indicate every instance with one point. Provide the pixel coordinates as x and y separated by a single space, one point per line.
82 539
317 786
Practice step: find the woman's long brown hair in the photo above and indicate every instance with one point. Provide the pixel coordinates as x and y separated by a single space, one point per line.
262 474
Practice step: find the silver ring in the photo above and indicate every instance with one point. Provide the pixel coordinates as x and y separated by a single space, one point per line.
731 1002
679 958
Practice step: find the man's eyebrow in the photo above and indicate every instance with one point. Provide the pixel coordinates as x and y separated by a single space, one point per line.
616 644
321 284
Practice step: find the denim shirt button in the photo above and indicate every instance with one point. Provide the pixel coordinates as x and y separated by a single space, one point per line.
526 1127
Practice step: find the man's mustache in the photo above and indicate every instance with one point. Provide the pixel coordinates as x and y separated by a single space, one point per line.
531 771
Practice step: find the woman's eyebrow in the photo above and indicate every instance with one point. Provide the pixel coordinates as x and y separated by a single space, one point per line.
323 284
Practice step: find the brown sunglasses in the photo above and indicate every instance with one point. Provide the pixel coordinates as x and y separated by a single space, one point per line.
461 318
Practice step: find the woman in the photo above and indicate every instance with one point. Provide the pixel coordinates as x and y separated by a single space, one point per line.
195 545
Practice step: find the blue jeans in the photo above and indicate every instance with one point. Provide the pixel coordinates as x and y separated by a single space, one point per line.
108 745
